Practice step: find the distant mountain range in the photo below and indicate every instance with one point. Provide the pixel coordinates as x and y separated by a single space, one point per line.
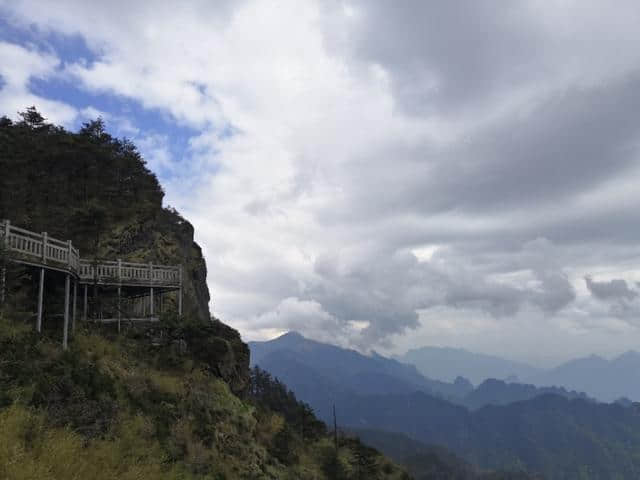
605 380
343 370
445 364
497 425
317 370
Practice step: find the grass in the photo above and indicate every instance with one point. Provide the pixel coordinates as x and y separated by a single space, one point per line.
115 408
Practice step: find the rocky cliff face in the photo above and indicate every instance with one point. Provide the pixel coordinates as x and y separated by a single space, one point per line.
167 238
96 191
162 237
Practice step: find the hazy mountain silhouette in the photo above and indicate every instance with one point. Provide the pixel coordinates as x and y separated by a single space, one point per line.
445 364
346 370
606 380
504 425
499 392
322 374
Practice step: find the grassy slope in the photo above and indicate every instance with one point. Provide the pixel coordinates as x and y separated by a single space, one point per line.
120 408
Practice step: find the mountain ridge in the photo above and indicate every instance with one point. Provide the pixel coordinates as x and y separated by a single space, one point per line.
446 363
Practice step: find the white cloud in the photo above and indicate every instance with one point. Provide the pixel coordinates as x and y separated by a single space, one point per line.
18 66
503 154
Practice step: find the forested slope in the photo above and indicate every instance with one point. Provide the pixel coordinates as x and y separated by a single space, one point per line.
174 400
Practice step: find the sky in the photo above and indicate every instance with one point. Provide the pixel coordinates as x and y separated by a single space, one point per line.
379 175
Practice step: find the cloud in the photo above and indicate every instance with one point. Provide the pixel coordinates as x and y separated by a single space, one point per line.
334 143
616 289
18 66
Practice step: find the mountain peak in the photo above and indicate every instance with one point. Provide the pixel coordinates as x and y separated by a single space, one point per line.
292 334
630 354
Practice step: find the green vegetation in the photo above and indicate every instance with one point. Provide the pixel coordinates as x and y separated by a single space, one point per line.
174 400
128 407
95 190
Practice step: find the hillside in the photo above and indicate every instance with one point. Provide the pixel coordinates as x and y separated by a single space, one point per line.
560 434
430 461
124 407
557 437
172 400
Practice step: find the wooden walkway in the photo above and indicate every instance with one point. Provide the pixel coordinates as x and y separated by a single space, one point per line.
47 253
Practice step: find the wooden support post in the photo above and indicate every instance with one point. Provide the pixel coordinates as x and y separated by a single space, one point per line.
119 307
151 289
73 314
44 247
95 300
40 299
3 284
119 294
180 293
65 333
84 311
69 253
3 273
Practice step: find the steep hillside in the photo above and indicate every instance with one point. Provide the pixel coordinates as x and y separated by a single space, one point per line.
128 407
96 191
172 400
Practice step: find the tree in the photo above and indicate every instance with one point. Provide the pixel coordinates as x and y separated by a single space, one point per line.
32 118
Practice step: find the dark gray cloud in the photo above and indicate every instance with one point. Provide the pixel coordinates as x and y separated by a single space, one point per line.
391 160
442 56
387 289
616 289
572 142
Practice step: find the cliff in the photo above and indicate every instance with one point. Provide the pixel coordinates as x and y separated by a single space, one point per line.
96 191
172 400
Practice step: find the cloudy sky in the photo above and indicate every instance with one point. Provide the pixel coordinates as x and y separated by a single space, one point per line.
376 174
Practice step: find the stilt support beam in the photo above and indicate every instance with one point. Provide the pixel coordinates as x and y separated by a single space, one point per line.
3 284
180 293
40 299
65 333
73 312
84 311
119 306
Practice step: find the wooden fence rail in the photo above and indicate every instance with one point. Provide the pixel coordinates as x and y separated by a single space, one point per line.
41 249
127 272
45 252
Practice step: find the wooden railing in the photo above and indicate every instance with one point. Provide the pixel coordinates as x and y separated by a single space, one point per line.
42 249
39 247
126 272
